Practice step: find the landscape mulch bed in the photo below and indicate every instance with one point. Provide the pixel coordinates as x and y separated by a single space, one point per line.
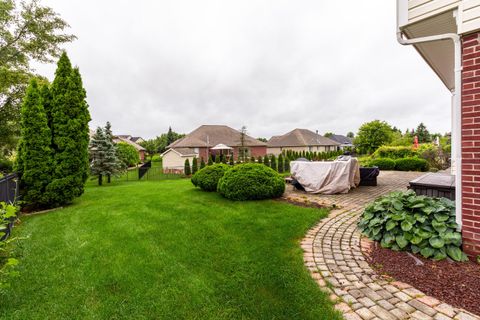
455 283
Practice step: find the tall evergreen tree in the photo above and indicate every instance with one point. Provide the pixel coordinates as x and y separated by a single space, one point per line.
170 136
187 169
280 163
35 155
210 160
103 153
113 163
70 130
194 165
202 163
266 161
273 162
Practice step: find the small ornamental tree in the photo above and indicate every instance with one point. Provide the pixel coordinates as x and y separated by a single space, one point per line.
194 165
280 163
210 160
230 162
187 170
127 154
273 162
202 163
287 165
35 155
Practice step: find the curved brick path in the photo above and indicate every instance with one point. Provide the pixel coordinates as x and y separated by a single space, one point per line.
332 253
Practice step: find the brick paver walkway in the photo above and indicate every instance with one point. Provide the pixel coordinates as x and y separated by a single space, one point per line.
332 253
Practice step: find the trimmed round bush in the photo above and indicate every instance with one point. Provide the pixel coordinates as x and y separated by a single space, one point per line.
382 163
411 164
251 181
207 178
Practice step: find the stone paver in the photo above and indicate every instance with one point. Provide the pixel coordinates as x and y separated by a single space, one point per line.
333 255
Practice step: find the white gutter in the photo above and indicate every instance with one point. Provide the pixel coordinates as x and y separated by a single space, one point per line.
456 101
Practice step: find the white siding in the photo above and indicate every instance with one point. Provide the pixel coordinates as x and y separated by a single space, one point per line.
172 160
423 9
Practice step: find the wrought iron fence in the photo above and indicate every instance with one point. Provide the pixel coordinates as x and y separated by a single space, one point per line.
8 188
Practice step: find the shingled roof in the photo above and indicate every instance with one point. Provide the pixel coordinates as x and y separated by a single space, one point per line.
341 139
300 138
211 135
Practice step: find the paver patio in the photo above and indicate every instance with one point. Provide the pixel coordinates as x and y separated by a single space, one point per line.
333 255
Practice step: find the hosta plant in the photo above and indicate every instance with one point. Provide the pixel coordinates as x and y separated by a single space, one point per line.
405 221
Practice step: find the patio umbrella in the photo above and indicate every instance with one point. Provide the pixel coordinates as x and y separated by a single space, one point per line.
221 146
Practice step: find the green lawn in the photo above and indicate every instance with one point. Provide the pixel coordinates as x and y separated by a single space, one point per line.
164 250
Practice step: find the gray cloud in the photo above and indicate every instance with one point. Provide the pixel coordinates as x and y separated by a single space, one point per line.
270 65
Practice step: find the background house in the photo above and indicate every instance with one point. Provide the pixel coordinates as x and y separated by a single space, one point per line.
301 140
345 142
452 50
128 139
201 142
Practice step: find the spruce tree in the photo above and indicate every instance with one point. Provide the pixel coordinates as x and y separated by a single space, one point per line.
202 163
194 165
113 164
97 152
280 163
70 130
210 160
35 155
187 169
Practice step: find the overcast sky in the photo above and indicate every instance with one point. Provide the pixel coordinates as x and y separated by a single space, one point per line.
269 65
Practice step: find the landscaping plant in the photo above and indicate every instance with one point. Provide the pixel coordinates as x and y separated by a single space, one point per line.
251 181
7 263
207 178
127 154
405 221
194 165
187 169
411 164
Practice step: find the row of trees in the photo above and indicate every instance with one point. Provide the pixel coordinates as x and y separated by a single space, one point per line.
280 163
52 158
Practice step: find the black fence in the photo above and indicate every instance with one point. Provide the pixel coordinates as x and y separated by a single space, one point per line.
144 168
8 188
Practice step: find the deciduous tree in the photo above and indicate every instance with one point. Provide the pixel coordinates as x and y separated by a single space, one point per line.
372 135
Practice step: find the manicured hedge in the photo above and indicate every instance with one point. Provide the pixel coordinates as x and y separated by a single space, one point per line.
382 163
207 178
411 164
251 181
394 152
405 221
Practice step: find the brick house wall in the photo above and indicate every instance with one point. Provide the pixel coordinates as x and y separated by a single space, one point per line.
471 144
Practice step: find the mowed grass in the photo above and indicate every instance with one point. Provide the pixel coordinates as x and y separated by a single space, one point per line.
164 250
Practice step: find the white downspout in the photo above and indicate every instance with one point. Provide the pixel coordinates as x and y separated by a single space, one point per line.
456 103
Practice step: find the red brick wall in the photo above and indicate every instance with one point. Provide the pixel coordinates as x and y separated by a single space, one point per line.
471 144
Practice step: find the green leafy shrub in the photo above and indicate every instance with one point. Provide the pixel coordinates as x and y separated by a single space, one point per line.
394 152
207 178
405 221
411 164
127 154
251 181
382 163
6 165
7 263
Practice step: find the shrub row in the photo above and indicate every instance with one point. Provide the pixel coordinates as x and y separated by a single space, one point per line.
405 221
403 164
248 181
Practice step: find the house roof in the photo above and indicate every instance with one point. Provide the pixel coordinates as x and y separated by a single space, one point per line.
341 139
300 138
118 139
135 139
183 152
211 135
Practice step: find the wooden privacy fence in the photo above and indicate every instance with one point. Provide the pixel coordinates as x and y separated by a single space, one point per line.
8 188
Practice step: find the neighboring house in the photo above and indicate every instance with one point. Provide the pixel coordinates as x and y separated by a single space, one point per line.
446 33
345 142
127 139
301 140
204 141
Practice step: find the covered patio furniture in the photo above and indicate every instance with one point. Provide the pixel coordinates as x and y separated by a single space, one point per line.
329 177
